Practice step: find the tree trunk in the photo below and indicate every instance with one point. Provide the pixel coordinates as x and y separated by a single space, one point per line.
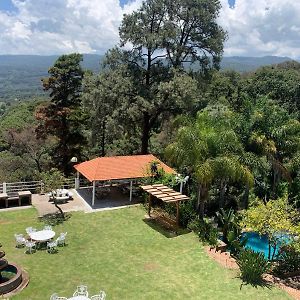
52 197
60 210
38 165
202 197
223 186
145 133
246 197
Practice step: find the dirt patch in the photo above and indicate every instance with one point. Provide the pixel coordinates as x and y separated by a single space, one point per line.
151 267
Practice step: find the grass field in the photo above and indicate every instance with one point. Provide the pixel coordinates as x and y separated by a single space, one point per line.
120 253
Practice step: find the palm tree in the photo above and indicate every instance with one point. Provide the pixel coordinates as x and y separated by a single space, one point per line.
211 149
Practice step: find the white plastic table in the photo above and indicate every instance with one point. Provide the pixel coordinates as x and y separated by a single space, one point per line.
79 298
42 235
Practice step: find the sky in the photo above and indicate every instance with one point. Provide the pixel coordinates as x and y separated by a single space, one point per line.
45 27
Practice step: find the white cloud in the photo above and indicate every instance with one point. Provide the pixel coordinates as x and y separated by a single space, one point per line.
262 27
61 26
255 27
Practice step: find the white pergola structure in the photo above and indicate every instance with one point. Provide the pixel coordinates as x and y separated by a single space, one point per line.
116 168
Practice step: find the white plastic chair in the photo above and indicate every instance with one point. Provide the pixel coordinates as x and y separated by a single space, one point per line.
51 246
30 246
20 240
54 297
101 296
30 230
81 291
47 227
61 240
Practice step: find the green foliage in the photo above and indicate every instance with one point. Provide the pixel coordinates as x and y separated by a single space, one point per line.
228 222
211 149
206 231
19 116
252 266
271 219
288 259
52 180
62 118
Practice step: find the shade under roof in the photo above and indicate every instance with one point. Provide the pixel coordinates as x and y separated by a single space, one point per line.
119 167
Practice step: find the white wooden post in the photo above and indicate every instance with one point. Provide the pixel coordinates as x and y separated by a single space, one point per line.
130 192
77 181
181 186
94 191
4 187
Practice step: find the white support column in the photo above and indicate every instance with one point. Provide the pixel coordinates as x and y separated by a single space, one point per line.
4 187
130 192
77 181
181 186
94 191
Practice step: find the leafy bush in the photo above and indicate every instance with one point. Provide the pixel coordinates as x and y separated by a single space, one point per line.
252 266
288 259
236 243
205 230
187 213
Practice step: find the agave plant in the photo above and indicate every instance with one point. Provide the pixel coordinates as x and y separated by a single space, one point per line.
228 221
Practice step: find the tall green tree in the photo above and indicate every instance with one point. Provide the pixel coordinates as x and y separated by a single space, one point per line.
211 149
61 117
162 37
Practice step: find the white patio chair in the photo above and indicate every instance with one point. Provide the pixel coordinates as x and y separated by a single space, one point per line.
47 227
61 240
101 296
54 296
51 246
30 230
20 240
81 291
30 246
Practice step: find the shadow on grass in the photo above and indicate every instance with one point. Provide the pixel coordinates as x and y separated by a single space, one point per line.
165 229
261 283
54 219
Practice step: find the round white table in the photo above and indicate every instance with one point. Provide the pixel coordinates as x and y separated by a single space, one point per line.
42 235
79 298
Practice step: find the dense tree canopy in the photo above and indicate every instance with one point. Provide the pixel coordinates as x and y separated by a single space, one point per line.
162 36
61 117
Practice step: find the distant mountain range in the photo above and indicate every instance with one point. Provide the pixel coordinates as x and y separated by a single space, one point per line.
20 75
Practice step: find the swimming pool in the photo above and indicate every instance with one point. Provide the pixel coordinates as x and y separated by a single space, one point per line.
261 244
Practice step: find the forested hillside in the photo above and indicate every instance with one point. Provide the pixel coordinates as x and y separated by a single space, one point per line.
20 75
237 135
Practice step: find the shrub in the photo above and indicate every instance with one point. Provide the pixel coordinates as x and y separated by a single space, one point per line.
252 266
187 213
288 259
205 230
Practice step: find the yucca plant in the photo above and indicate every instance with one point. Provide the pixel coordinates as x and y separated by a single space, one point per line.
252 266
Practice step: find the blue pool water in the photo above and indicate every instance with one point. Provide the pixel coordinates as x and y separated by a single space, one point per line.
260 243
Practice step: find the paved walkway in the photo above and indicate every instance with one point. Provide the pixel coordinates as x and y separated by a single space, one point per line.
44 206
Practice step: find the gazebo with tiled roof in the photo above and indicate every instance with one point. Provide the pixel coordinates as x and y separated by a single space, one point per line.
112 168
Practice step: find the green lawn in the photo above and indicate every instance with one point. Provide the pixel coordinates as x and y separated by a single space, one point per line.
118 252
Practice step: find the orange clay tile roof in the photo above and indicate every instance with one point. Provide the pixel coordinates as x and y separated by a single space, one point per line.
119 167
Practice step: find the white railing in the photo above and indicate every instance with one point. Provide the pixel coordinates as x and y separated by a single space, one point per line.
12 188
